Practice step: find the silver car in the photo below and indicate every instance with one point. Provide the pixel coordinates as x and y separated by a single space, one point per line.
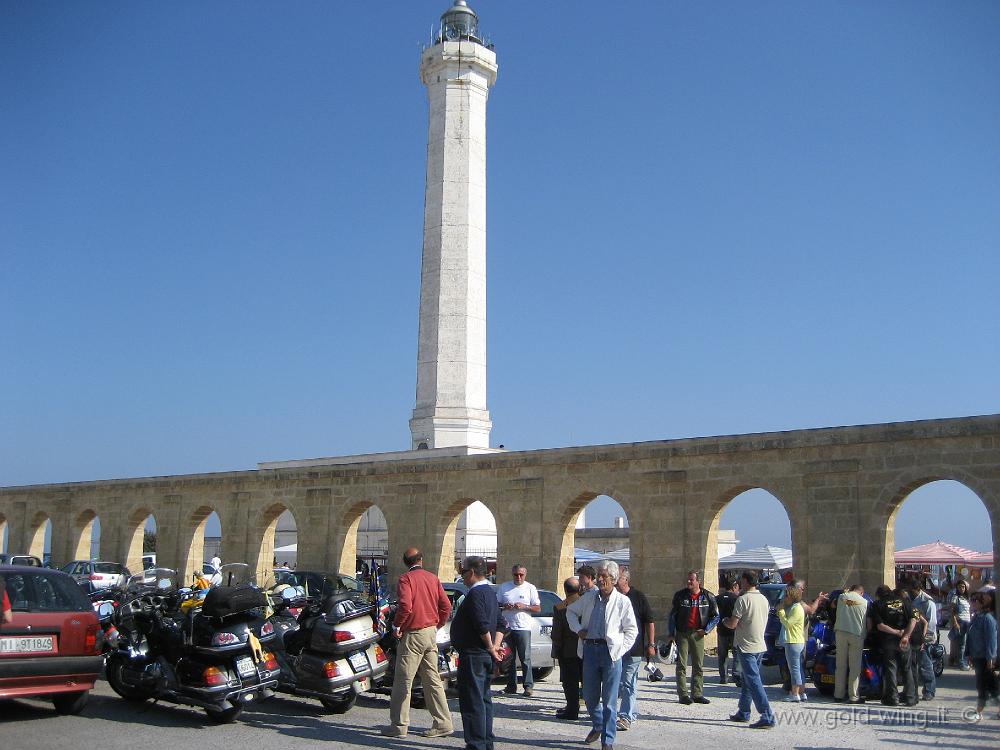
97 574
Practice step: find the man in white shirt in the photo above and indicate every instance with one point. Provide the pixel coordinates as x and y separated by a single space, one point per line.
748 620
518 599
605 623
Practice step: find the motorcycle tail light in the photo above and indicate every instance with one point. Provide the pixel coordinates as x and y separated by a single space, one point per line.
225 639
267 629
90 641
868 673
380 655
270 661
213 677
339 636
331 670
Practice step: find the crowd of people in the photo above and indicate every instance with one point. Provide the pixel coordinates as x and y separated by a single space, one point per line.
604 629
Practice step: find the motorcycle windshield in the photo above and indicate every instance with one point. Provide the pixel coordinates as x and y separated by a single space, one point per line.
235 574
153 581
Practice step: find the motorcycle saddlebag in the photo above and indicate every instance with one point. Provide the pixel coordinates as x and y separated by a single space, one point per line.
223 600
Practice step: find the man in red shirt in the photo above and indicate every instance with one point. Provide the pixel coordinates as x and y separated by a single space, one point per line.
423 608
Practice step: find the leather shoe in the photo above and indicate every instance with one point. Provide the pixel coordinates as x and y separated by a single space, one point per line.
702 699
436 732
528 692
592 737
685 700
762 725
392 731
738 719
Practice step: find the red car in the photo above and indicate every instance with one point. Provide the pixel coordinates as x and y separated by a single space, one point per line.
52 646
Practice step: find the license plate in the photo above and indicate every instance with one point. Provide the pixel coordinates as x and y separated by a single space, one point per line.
28 645
245 666
358 660
827 678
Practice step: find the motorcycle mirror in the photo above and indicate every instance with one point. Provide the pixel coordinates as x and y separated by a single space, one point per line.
105 610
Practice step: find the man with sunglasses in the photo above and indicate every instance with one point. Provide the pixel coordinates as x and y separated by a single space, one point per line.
518 599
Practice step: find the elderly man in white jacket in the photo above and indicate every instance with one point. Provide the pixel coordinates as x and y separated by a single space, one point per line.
604 621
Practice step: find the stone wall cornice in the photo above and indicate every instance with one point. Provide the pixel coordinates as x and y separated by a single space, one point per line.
528 463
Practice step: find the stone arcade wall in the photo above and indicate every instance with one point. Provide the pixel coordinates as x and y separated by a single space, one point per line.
840 486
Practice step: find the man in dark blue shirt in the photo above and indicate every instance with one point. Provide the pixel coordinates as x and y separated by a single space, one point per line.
476 633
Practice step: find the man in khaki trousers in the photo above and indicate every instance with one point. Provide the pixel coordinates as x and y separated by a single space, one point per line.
423 608
850 630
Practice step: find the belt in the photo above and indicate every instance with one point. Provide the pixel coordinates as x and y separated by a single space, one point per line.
596 641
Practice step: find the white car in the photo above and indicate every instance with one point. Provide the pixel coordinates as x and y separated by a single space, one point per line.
97 574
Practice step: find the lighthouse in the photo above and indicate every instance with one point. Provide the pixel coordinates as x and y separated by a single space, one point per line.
458 68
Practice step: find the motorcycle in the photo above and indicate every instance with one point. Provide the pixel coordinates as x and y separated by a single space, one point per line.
105 602
196 648
326 647
447 658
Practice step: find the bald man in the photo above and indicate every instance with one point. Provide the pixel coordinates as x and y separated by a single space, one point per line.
423 608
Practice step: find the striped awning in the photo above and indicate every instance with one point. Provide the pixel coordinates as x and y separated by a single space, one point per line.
942 553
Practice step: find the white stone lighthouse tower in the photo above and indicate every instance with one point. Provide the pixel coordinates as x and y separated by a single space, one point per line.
458 70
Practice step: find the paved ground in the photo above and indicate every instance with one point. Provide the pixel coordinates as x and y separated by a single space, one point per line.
109 723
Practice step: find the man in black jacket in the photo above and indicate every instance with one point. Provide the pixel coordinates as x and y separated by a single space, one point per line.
725 601
476 633
693 613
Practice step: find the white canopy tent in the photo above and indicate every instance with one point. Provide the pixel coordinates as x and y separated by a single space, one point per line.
759 558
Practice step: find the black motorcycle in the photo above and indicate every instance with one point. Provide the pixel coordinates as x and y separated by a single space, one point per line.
326 647
197 648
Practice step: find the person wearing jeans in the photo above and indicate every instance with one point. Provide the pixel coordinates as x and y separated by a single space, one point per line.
605 624
518 599
748 620
792 617
632 660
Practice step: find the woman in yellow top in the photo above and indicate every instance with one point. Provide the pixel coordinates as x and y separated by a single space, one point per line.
793 618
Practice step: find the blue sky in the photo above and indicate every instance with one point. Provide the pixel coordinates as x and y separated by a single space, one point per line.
703 219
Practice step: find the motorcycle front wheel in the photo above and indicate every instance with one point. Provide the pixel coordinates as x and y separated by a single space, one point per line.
339 705
113 673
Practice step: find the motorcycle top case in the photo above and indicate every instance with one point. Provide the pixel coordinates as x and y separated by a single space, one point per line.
223 601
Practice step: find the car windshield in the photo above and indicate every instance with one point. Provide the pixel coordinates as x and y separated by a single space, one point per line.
549 600
40 592
774 595
160 580
108 568
235 574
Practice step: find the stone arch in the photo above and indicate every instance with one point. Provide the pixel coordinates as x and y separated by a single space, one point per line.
134 536
894 494
82 532
568 516
446 529
709 563
36 534
347 535
192 552
263 529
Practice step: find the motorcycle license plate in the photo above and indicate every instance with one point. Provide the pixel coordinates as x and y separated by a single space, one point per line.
245 666
827 678
28 645
358 660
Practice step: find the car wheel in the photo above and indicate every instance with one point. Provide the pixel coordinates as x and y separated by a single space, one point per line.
70 703
540 673
339 705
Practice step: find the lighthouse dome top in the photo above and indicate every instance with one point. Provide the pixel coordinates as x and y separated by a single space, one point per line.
459 22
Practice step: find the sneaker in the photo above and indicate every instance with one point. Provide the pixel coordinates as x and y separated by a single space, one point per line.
392 731
592 737
803 697
762 725
436 732
792 699
701 699
685 700
623 724
739 719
